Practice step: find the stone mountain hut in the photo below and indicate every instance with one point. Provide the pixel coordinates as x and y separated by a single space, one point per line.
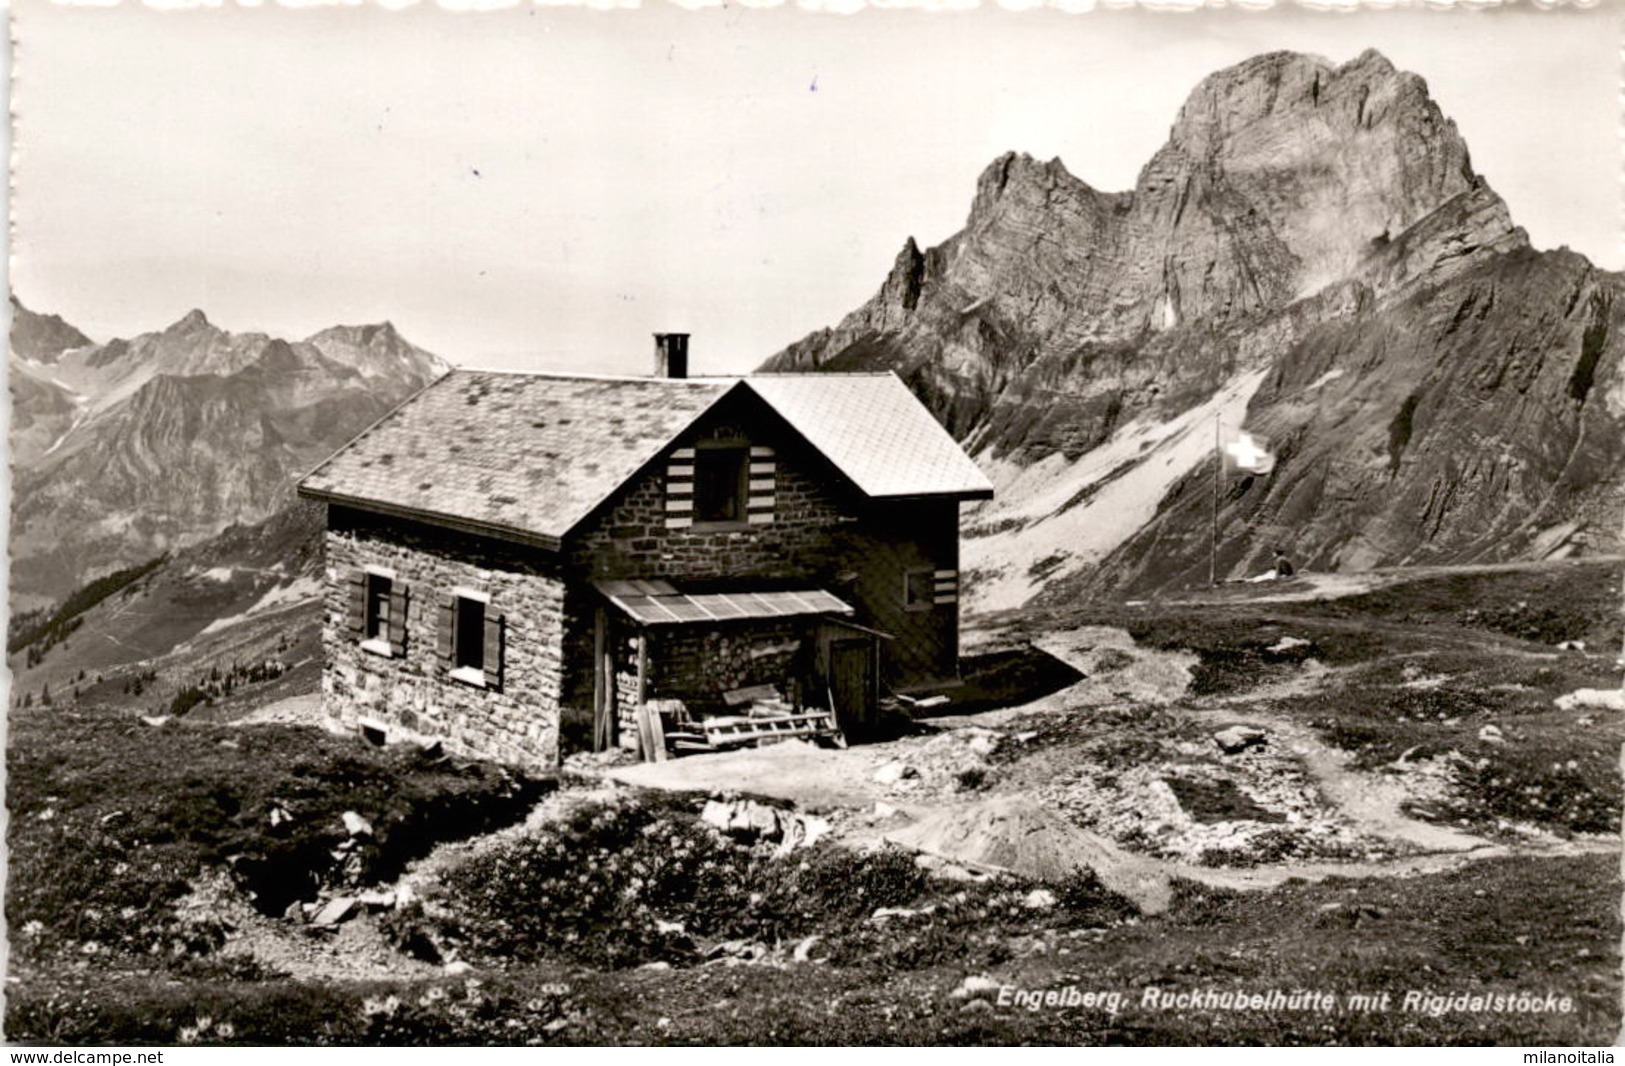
515 555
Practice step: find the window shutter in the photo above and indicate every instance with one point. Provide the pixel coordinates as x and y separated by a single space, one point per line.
356 602
397 620
445 630
493 649
680 489
946 588
759 498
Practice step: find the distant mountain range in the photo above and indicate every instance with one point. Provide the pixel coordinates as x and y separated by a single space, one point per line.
124 450
1310 254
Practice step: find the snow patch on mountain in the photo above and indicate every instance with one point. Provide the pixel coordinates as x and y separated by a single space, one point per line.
1051 519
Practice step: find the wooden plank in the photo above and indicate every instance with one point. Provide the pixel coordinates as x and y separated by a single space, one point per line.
657 732
603 727
646 740
735 697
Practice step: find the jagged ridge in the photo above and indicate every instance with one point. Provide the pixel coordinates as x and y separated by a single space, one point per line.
1300 214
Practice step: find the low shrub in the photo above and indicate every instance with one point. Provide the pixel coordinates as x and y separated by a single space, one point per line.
1089 902
114 822
620 884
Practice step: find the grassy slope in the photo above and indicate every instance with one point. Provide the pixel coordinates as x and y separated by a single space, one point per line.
157 624
113 822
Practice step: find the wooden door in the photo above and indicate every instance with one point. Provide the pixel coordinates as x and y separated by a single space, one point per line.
852 685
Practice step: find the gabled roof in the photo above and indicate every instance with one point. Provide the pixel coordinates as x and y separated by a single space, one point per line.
531 455
875 432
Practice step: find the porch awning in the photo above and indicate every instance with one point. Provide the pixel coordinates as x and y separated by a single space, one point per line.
656 603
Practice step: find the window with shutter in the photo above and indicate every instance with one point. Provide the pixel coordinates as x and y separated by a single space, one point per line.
470 638
469 644
378 611
379 589
925 589
919 590
721 476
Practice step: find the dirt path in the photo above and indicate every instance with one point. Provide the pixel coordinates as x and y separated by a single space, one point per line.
1372 802
1263 877
1308 586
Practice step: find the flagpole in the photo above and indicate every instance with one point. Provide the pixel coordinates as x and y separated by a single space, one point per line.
1218 474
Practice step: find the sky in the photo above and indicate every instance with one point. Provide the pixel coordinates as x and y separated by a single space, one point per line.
545 186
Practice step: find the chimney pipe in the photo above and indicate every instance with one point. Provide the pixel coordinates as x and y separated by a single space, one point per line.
671 355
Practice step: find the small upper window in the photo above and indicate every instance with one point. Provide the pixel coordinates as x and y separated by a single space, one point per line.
919 590
720 483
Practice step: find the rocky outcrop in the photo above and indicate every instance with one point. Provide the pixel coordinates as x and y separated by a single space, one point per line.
38 338
1311 242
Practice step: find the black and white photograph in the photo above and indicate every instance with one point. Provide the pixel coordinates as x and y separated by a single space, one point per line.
1036 522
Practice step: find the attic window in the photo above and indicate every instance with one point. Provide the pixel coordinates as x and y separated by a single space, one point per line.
720 486
925 589
918 590
720 483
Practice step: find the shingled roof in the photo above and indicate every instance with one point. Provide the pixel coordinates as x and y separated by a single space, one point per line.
531 455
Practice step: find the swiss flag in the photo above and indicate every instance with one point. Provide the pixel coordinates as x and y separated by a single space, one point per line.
1249 453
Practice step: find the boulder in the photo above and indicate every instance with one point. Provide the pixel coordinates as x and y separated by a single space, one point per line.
764 821
356 825
975 986
717 814
1603 699
894 771
336 910
1039 899
1238 738
377 900
983 744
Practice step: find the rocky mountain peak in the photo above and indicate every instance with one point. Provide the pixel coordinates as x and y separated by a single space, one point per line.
194 321
1310 252
377 348
41 338
1020 172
